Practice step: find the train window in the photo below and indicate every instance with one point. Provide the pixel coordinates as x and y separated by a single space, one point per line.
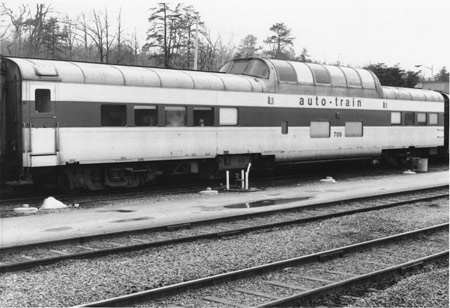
320 129
433 119
113 115
321 74
43 103
203 116
284 127
337 76
226 67
396 118
175 116
145 116
367 79
409 118
285 71
353 129
304 74
228 116
421 118
257 68
352 77
238 67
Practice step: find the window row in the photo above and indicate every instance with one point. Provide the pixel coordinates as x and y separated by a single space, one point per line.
414 118
322 129
171 116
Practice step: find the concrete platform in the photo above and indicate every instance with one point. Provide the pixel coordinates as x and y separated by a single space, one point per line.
180 209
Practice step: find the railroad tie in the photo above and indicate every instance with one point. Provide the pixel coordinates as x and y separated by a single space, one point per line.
141 241
313 279
114 244
340 273
251 292
86 247
27 257
351 298
59 252
286 285
222 301
372 262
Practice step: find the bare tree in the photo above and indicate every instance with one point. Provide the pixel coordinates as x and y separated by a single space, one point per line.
213 54
18 23
99 32
37 31
162 33
4 30
71 36
35 26
119 56
135 47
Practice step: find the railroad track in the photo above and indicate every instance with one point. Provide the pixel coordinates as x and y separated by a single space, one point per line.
296 280
28 256
88 198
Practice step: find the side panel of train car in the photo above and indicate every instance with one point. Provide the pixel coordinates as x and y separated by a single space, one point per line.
93 126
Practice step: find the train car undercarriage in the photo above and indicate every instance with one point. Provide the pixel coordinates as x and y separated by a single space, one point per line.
71 178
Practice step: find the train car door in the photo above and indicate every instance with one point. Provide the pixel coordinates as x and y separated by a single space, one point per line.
43 126
12 137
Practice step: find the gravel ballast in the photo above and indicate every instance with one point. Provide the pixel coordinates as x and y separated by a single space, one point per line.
76 282
423 290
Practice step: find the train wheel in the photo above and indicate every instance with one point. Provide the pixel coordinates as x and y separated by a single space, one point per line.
65 184
95 180
41 183
209 170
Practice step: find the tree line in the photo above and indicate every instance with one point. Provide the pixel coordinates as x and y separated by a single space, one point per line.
40 32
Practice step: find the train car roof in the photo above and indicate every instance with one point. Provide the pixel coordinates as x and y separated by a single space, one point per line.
244 75
120 75
412 94
330 79
304 74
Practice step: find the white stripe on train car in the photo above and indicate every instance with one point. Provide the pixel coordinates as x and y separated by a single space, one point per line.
143 95
125 144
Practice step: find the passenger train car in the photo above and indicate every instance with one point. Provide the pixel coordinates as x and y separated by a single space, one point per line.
94 126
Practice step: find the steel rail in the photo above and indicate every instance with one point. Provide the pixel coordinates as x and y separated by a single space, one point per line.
18 266
214 234
82 239
294 299
153 294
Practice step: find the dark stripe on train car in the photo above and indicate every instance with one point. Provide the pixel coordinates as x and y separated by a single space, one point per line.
88 114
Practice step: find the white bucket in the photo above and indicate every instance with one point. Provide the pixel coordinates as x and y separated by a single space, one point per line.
415 162
422 165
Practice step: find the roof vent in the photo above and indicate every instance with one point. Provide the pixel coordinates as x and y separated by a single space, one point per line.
42 69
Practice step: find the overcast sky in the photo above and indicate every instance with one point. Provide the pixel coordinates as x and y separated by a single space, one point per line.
354 32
